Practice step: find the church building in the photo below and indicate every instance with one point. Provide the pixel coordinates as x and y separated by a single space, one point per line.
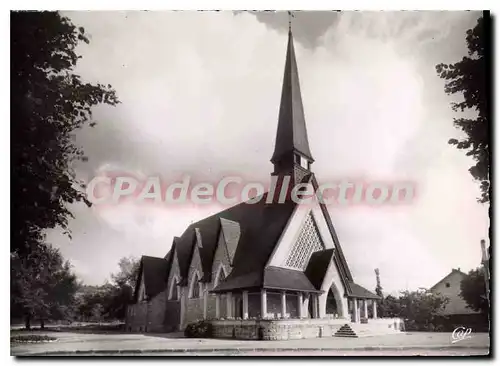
263 270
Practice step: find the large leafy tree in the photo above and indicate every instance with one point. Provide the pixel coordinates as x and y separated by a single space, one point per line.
473 291
124 284
469 78
419 309
43 286
128 273
48 103
110 299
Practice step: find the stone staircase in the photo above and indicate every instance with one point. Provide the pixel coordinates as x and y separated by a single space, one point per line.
374 327
346 331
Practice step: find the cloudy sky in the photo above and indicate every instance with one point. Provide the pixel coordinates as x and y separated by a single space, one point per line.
200 95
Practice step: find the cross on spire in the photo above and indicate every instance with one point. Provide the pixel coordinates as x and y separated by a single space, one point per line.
290 16
292 145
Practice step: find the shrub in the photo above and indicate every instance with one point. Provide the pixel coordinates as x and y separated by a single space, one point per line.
200 329
32 338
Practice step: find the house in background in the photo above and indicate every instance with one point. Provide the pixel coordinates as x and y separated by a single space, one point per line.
456 313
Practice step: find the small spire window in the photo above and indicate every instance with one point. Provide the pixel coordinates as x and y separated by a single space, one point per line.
304 163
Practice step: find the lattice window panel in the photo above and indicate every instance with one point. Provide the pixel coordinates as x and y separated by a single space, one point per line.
308 242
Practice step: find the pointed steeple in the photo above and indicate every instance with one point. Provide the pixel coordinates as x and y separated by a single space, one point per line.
292 145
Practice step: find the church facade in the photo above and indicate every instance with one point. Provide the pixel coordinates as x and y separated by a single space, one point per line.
263 270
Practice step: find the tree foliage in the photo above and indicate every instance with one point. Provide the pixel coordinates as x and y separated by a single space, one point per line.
468 77
42 285
129 271
473 291
419 309
48 103
110 300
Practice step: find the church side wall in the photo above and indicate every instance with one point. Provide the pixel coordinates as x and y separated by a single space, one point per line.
172 310
194 310
174 271
220 258
172 317
136 317
194 307
156 313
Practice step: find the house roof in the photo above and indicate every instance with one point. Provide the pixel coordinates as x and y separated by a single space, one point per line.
445 278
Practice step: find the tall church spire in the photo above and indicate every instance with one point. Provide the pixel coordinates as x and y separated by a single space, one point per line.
292 145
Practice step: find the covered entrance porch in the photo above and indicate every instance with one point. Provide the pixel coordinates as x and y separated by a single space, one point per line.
267 304
359 309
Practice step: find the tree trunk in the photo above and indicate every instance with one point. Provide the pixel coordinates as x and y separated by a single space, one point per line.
27 322
42 324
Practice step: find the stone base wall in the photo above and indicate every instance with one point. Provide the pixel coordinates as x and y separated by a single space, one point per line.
194 310
211 307
378 326
156 316
156 313
136 317
172 316
277 329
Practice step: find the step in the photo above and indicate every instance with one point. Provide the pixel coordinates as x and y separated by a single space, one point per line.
346 331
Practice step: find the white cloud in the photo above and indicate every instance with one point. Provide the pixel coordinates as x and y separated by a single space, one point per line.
200 95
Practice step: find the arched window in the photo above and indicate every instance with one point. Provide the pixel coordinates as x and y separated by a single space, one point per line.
220 275
175 293
196 284
331 303
174 290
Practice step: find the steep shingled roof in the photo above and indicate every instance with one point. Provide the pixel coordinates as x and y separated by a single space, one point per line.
287 279
155 272
232 233
292 133
253 231
361 292
261 225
